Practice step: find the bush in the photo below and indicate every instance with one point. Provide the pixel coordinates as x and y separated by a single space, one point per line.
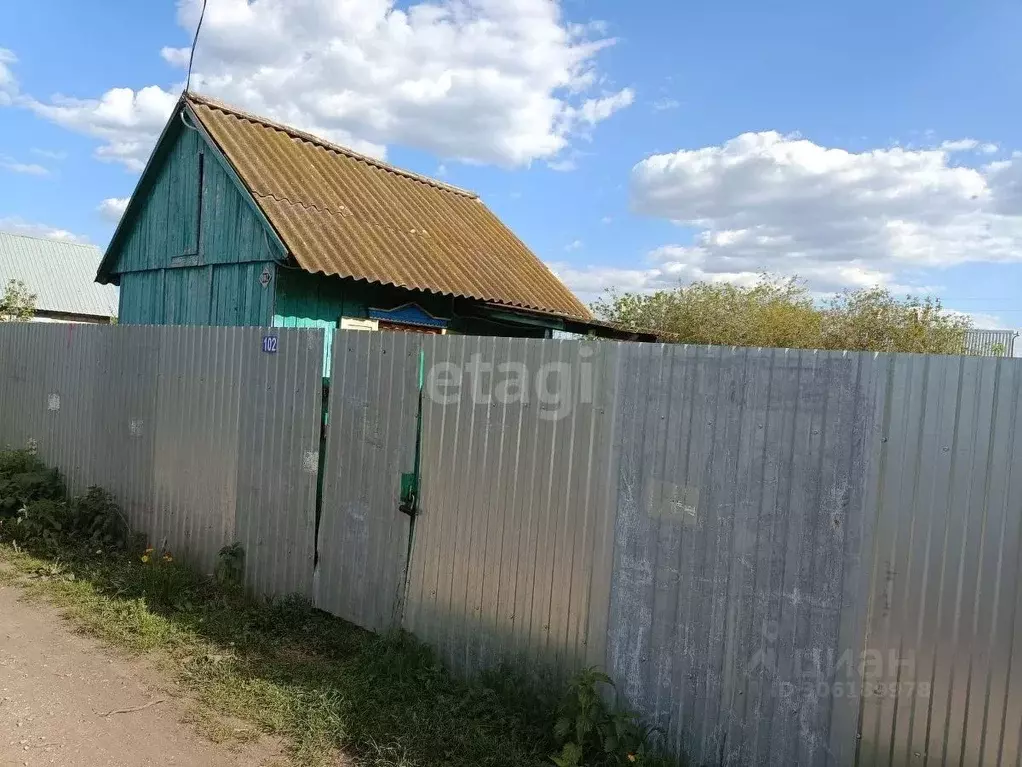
43 523
24 478
591 734
34 509
95 520
779 312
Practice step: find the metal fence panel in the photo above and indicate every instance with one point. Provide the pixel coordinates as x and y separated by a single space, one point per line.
943 600
363 536
204 438
781 557
512 551
786 557
739 540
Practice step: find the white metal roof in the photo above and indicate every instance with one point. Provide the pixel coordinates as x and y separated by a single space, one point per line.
61 274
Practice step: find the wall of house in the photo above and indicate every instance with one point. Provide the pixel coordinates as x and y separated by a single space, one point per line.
191 259
317 300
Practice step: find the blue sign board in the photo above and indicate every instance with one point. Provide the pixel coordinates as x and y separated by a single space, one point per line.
270 344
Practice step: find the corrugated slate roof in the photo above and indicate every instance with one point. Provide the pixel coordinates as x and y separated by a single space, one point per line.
61 274
341 213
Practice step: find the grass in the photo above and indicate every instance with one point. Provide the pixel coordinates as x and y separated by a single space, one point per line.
323 686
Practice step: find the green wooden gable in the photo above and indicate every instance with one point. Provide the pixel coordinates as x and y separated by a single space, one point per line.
192 247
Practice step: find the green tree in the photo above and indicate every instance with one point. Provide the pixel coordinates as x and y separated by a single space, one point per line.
781 312
17 304
873 320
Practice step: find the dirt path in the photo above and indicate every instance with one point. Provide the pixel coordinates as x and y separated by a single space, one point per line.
57 690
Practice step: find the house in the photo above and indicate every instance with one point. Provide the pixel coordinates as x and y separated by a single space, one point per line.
60 274
239 220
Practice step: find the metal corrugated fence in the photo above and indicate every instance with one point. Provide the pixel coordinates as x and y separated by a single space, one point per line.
740 525
515 536
945 486
781 557
363 536
203 437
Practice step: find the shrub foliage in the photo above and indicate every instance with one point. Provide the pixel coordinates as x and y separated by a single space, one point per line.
778 312
35 509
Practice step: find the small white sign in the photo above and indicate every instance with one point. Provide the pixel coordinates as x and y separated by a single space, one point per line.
53 402
135 428
353 323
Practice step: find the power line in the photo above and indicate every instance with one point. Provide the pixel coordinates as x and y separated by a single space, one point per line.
195 41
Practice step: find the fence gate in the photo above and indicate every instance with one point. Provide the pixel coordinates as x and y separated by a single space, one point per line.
370 446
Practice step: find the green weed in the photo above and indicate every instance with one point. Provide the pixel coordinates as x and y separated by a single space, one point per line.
592 734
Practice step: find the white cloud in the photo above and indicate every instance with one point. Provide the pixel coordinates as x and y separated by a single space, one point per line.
589 282
26 168
574 245
484 81
969 145
665 104
564 165
960 145
18 225
112 208
50 154
8 82
596 110
127 121
985 321
783 204
606 220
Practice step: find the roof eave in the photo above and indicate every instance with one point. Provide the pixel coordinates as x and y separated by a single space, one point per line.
579 325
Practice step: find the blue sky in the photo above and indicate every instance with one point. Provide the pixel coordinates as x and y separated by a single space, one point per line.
634 145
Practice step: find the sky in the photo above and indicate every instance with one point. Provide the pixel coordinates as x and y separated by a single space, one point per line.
632 146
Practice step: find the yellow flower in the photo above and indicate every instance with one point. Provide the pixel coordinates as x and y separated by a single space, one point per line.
631 757
168 558
145 557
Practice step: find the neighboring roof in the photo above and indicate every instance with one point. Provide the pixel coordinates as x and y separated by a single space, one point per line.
59 273
344 214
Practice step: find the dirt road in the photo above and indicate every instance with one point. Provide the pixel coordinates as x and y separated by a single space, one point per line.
57 692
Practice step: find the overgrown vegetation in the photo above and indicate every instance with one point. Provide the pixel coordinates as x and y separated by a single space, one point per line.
17 303
778 312
320 684
34 508
591 734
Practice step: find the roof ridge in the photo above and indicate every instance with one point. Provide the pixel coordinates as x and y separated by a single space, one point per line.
53 240
214 103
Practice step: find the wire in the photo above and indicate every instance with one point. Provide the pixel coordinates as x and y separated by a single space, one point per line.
195 41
